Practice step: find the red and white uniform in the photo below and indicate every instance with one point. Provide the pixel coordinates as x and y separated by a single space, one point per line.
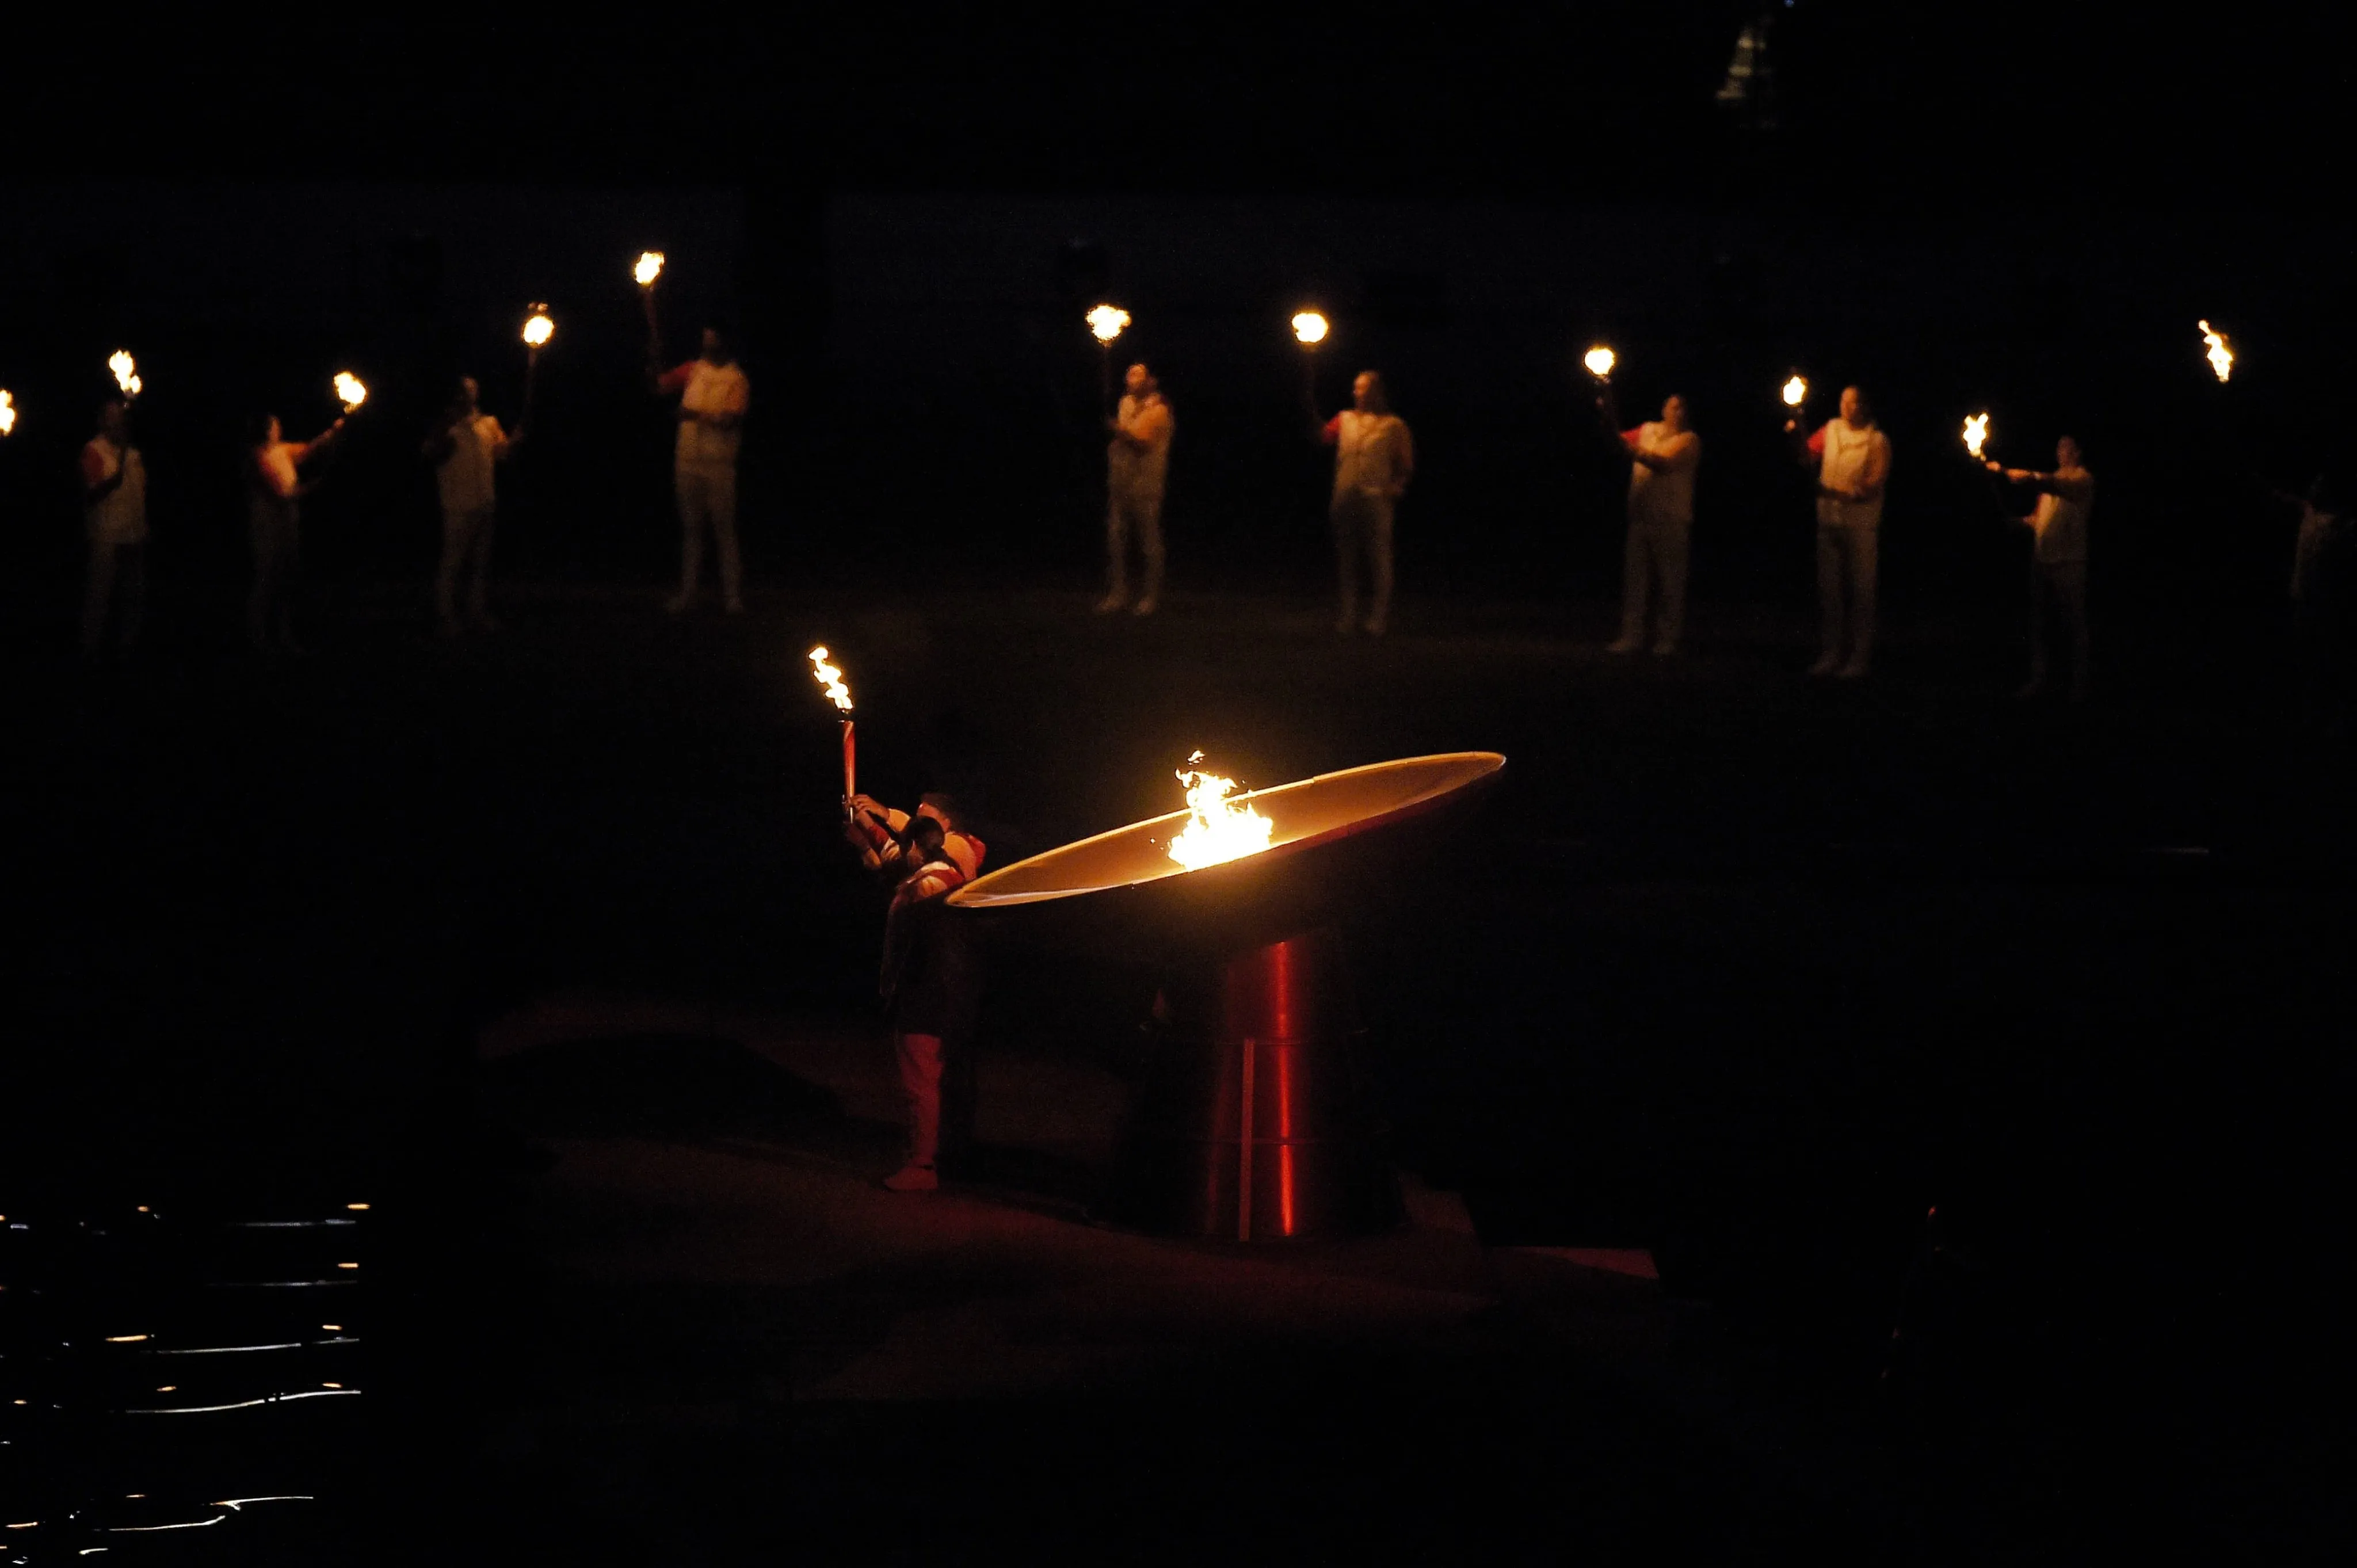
704 472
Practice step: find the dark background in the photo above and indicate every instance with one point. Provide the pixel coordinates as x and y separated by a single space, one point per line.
1912 945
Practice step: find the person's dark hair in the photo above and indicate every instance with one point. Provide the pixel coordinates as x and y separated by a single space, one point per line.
2074 440
257 428
106 403
1377 392
945 803
722 327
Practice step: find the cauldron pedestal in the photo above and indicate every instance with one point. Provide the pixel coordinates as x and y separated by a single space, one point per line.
1251 1123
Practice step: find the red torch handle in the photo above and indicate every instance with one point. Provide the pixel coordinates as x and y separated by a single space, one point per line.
850 768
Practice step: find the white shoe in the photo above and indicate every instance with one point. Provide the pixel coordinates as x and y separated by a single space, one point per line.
1853 671
1144 606
1111 603
1622 645
675 604
1374 629
913 1178
1825 665
735 606
1664 649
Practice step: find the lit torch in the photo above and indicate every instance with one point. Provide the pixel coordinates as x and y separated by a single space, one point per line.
831 679
538 328
7 411
1309 330
649 267
2221 358
1106 322
1599 361
1216 829
1976 433
126 372
1796 392
349 391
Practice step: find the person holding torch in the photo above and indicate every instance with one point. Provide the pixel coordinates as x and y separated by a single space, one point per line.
2059 584
466 446
1852 459
1374 459
115 515
714 396
930 979
1137 461
275 491
1664 455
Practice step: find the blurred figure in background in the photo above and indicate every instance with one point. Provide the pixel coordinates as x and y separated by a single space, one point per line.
2058 596
115 515
1664 455
275 492
1852 459
466 449
1374 459
714 396
2320 607
1137 461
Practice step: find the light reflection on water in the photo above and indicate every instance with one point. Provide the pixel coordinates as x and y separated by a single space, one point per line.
86 1298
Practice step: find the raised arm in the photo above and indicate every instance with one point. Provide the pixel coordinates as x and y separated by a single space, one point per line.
96 486
1807 450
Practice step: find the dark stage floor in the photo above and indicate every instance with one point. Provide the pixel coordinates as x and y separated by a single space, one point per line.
542 945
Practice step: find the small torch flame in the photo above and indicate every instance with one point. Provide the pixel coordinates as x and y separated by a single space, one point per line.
1107 321
1975 432
1311 327
1795 392
1217 831
126 372
831 678
539 329
2221 358
350 390
649 267
7 413
1599 361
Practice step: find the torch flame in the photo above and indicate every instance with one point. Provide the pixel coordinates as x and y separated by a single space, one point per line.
1795 390
348 388
1106 321
1599 361
831 678
1975 432
7 413
126 373
540 328
1311 327
1217 831
2221 358
648 268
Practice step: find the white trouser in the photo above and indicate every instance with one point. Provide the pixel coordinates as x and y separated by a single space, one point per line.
1125 510
1361 521
114 565
707 499
1655 555
466 549
2057 609
1845 565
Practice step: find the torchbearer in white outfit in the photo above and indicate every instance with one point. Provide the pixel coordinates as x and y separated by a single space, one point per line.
1664 455
2058 605
466 449
1852 459
1374 459
1137 461
115 515
714 396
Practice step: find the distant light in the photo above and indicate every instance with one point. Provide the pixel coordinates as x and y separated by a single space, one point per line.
356 1206
350 390
1796 391
125 1338
649 267
1599 361
537 332
1311 327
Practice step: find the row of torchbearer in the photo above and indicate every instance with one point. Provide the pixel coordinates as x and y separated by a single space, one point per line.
539 328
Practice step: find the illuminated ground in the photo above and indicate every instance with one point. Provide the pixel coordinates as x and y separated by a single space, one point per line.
1746 971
